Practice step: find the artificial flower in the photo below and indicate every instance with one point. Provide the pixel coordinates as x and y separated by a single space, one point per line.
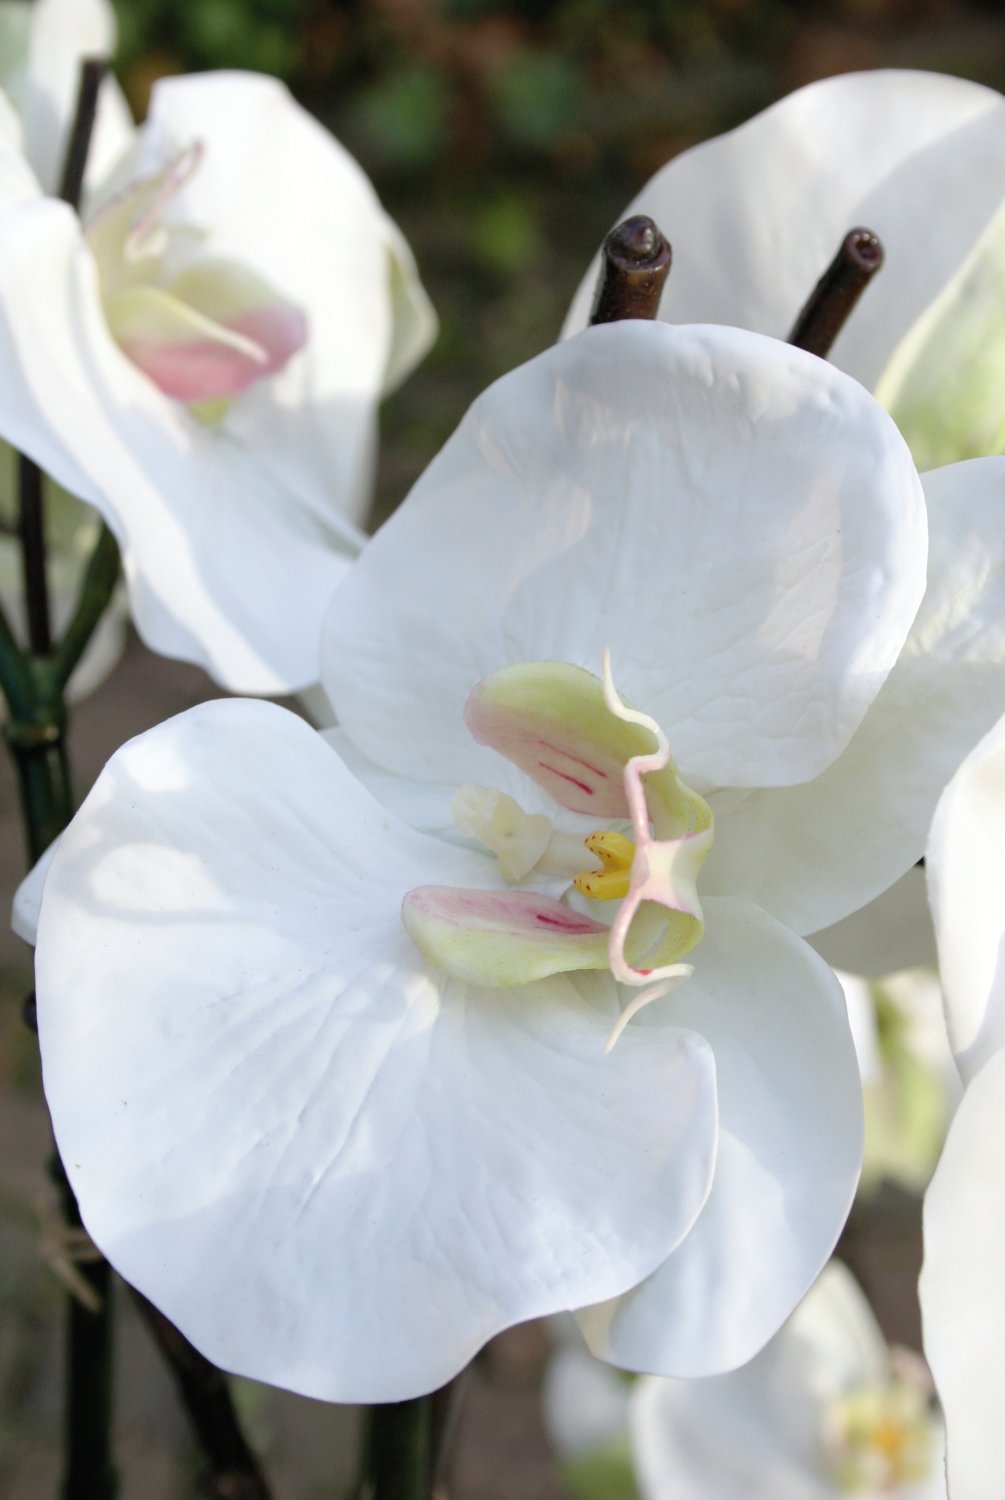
201 359
962 1305
756 216
326 1059
827 1410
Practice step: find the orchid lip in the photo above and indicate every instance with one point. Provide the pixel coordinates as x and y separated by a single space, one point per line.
573 734
203 334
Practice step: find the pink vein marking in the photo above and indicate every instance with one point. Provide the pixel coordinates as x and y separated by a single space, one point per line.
572 926
576 760
582 785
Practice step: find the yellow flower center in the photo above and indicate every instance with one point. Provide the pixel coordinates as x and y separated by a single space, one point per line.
611 881
880 1437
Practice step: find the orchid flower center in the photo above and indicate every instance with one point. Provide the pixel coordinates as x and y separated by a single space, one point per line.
571 733
880 1437
203 328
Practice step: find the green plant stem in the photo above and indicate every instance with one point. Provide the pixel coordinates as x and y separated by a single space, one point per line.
396 1451
100 578
89 1470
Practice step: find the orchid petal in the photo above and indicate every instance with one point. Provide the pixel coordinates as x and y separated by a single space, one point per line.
17 180
364 1170
945 384
960 1287
28 897
903 153
413 321
775 1018
325 245
965 866
891 933
224 567
58 36
864 821
762 522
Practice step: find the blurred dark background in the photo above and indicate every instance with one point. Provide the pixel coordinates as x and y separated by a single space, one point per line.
505 139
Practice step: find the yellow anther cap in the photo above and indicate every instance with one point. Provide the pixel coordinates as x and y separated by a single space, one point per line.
611 881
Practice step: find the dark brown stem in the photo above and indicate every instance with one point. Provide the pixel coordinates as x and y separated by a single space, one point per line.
71 183
634 267
203 1388
31 528
836 293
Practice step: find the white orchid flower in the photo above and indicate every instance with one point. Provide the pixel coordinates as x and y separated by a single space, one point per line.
962 1291
327 1067
42 45
201 360
827 1411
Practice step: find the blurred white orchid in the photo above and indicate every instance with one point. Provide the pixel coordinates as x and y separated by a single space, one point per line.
827 1411
416 1135
962 1292
202 361
42 45
909 1080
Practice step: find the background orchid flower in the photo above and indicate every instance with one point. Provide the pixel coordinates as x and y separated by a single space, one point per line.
964 1221
826 1410
910 1083
361 1046
756 216
42 45
201 360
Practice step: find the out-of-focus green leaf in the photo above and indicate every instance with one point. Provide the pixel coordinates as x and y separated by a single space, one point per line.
537 98
604 1474
506 234
404 116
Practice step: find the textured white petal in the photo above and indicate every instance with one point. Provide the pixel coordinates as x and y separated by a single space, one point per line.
891 933
962 1305
790 1147
333 1170
755 216
737 522
277 191
863 823
965 865
224 567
